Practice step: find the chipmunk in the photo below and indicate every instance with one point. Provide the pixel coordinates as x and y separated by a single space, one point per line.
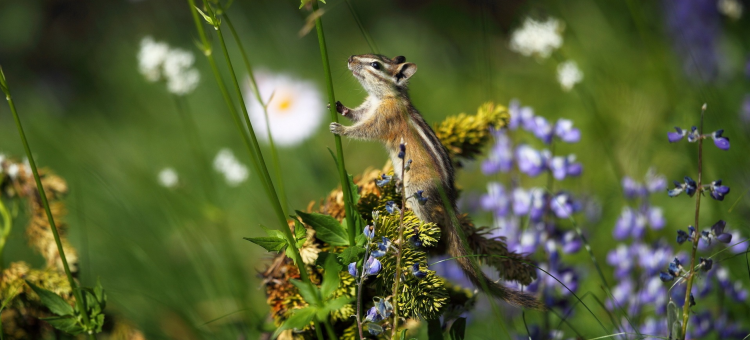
388 116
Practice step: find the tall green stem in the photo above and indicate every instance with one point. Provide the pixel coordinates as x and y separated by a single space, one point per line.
256 91
43 197
348 208
248 135
696 237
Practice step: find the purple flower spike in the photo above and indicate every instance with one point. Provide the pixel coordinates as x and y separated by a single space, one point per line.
500 157
496 199
631 188
372 315
565 130
559 167
563 205
543 129
369 231
720 141
353 269
420 274
676 136
678 189
706 264
624 224
718 227
574 169
690 186
724 238
571 243
666 277
655 182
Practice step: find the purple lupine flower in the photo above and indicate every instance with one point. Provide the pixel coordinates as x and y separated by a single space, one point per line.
655 217
706 264
678 189
382 247
571 243
624 224
402 149
500 158
717 232
559 167
574 168
528 242
695 26
652 326
392 208
353 269
622 293
720 141
521 202
373 266
565 130
569 278
631 188
417 272
372 315
653 292
496 200
552 254
543 129
563 206
655 182
622 259
682 236
451 271
653 259
369 231
718 191
530 161
676 136
538 204
422 200
383 180
702 325
689 187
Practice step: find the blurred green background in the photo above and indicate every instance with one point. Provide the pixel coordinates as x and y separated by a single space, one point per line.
93 118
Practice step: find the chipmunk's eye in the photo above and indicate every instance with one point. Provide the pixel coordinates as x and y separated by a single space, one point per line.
375 65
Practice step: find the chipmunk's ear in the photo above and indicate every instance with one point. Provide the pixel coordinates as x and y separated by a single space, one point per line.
405 71
399 59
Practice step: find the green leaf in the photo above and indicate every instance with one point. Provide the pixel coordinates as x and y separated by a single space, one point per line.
299 319
273 232
434 331
68 324
206 17
458 329
403 335
330 306
354 190
299 230
327 228
269 243
673 313
54 302
308 291
360 240
676 330
351 254
101 296
331 277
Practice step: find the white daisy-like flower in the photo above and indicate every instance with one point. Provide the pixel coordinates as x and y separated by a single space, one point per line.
295 109
234 172
568 74
168 178
537 37
730 8
157 61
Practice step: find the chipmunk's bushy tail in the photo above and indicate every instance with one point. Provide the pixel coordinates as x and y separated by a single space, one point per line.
481 281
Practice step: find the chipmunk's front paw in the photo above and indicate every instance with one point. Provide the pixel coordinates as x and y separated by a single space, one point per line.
340 108
336 128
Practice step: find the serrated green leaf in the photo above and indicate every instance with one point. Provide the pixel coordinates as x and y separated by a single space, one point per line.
299 319
101 295
434 330
327 228
351 254
92 305
67 324
268 243
331 277
308 291
54 302
330 306
300 232
273 232
360 240
458 329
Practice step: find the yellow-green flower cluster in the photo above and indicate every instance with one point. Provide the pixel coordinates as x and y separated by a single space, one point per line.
465 135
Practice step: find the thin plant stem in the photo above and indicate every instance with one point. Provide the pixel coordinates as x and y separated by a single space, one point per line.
400 246
363 275
80 303
6 228
696 237
369 40
248 136
348 208
256 91
196 147
329 330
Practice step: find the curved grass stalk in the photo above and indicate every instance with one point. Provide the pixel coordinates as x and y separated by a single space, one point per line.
80 303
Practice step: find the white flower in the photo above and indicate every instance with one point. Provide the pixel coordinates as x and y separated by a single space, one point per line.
295 109
568 74
181 78
13 170
157 61
234 172
168 178
730 8
150 58
537 37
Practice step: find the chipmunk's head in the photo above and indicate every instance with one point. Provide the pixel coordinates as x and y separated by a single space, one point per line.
380 75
